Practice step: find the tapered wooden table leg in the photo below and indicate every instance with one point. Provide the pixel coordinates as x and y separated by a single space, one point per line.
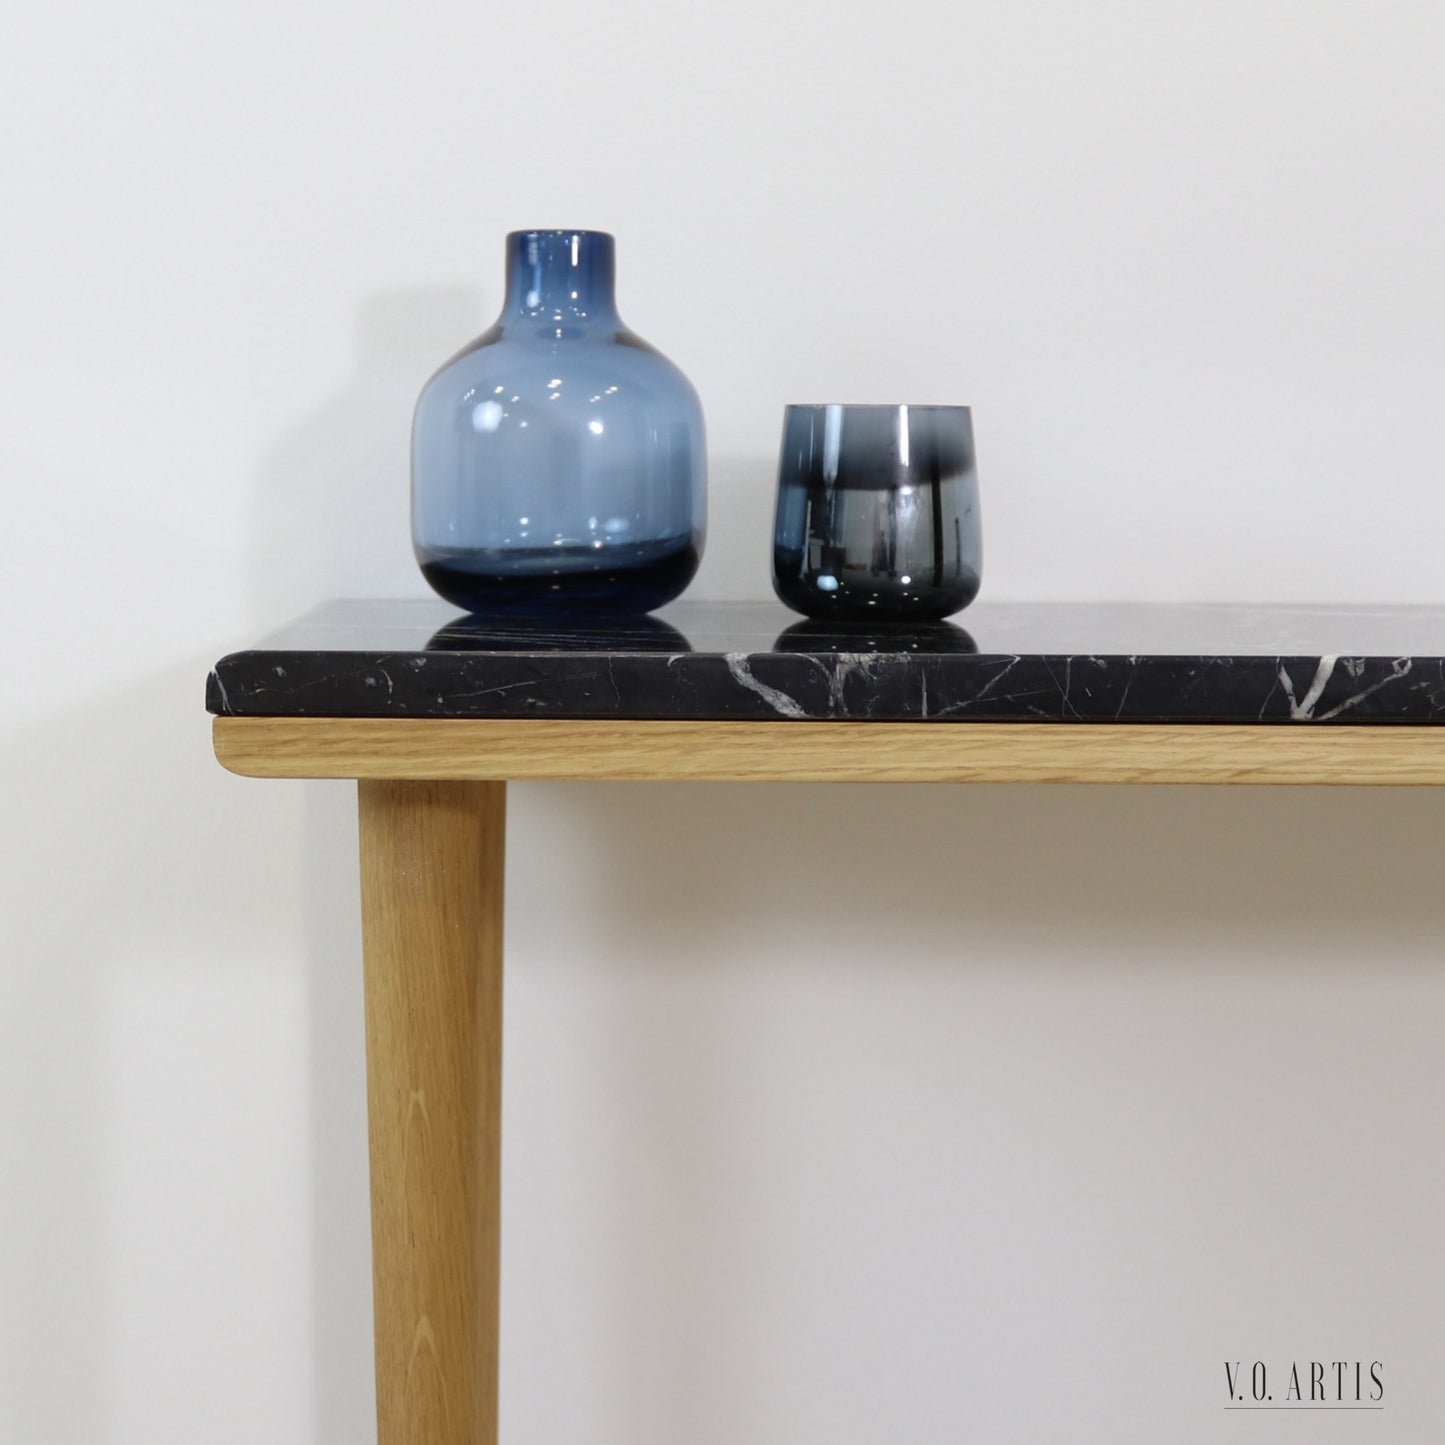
431 893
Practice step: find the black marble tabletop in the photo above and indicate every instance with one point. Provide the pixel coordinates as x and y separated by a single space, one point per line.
998 661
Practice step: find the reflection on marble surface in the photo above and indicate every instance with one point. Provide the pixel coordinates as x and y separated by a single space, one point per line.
1047 663
476 633
918 637
1054 628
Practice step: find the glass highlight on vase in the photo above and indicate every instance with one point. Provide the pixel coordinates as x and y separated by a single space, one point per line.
558 462
877 516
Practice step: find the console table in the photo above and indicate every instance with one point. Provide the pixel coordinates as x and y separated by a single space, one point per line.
432 713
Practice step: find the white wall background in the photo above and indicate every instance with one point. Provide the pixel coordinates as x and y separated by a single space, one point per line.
832 1116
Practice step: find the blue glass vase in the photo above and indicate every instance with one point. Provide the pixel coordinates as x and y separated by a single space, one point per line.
559 461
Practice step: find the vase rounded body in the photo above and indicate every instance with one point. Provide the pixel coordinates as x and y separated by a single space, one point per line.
559 461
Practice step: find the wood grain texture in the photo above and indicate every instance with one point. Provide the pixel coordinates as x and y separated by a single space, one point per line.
828 752
431 879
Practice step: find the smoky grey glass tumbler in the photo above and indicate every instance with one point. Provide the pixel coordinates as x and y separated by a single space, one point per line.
877 512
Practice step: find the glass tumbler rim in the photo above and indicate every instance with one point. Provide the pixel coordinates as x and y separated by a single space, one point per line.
876 406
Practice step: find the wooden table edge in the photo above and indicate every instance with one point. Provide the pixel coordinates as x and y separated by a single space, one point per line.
487 749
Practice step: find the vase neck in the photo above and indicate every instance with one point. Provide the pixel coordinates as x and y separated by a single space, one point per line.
561 276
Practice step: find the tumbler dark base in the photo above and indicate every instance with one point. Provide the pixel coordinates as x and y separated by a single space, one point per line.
875 598
631 580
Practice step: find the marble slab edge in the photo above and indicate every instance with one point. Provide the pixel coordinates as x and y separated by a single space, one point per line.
831 686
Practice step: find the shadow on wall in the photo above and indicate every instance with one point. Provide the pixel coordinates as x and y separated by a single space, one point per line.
737 560
1058 871
331 519
669 898
331 512
143 913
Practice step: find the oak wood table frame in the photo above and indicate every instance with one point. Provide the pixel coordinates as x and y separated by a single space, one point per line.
432 800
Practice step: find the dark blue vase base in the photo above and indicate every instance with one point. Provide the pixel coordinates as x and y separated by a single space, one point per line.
617 579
